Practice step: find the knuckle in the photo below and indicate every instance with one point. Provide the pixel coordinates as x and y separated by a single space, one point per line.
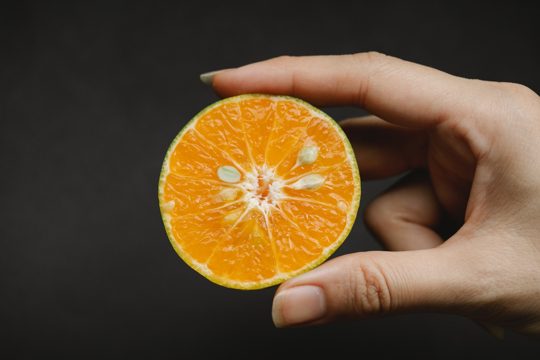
517 89
372 62
504 106
283 59
370 56
369 290
517 96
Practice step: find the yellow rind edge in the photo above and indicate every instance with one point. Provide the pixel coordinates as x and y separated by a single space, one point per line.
255 285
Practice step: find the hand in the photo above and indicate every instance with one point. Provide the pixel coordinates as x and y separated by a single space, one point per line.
473 148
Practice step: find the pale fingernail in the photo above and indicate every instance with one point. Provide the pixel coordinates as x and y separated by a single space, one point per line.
208 77
298 305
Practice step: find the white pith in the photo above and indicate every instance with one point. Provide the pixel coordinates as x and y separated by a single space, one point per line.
252 190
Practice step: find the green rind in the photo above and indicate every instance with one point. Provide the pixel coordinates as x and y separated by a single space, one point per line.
252 285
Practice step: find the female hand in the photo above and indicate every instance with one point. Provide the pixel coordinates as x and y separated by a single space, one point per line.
474 148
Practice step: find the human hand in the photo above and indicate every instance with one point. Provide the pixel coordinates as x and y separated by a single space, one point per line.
473 148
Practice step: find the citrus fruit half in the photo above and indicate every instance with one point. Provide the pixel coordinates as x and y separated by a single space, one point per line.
256 189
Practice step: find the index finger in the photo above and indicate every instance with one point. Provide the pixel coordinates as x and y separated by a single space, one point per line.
399 91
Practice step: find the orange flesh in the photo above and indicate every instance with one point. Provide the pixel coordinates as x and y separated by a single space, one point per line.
266 230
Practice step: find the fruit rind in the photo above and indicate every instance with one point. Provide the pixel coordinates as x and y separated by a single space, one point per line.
279 278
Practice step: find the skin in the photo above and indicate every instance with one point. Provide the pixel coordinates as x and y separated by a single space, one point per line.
471 149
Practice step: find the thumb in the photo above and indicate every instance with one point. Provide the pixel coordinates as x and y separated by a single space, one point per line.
374 283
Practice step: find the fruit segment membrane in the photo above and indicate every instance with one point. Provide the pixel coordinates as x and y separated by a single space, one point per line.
256 189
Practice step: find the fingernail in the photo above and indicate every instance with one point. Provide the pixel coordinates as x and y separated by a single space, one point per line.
208 77
298 305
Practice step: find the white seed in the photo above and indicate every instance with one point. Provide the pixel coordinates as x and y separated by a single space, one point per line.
342 206
309 182
228 194
168 206
228 174
307 155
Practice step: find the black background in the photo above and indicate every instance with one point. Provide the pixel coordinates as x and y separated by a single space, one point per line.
92 93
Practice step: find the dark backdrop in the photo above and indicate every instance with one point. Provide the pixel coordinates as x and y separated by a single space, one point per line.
91 96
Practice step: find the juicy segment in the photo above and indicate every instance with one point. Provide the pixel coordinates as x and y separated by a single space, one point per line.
257 189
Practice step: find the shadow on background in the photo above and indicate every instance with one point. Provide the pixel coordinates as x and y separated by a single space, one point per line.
91 96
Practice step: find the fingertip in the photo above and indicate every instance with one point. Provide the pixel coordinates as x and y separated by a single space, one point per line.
299 305
222 81
221 84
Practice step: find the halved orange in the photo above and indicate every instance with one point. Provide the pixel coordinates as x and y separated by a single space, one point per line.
256 189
